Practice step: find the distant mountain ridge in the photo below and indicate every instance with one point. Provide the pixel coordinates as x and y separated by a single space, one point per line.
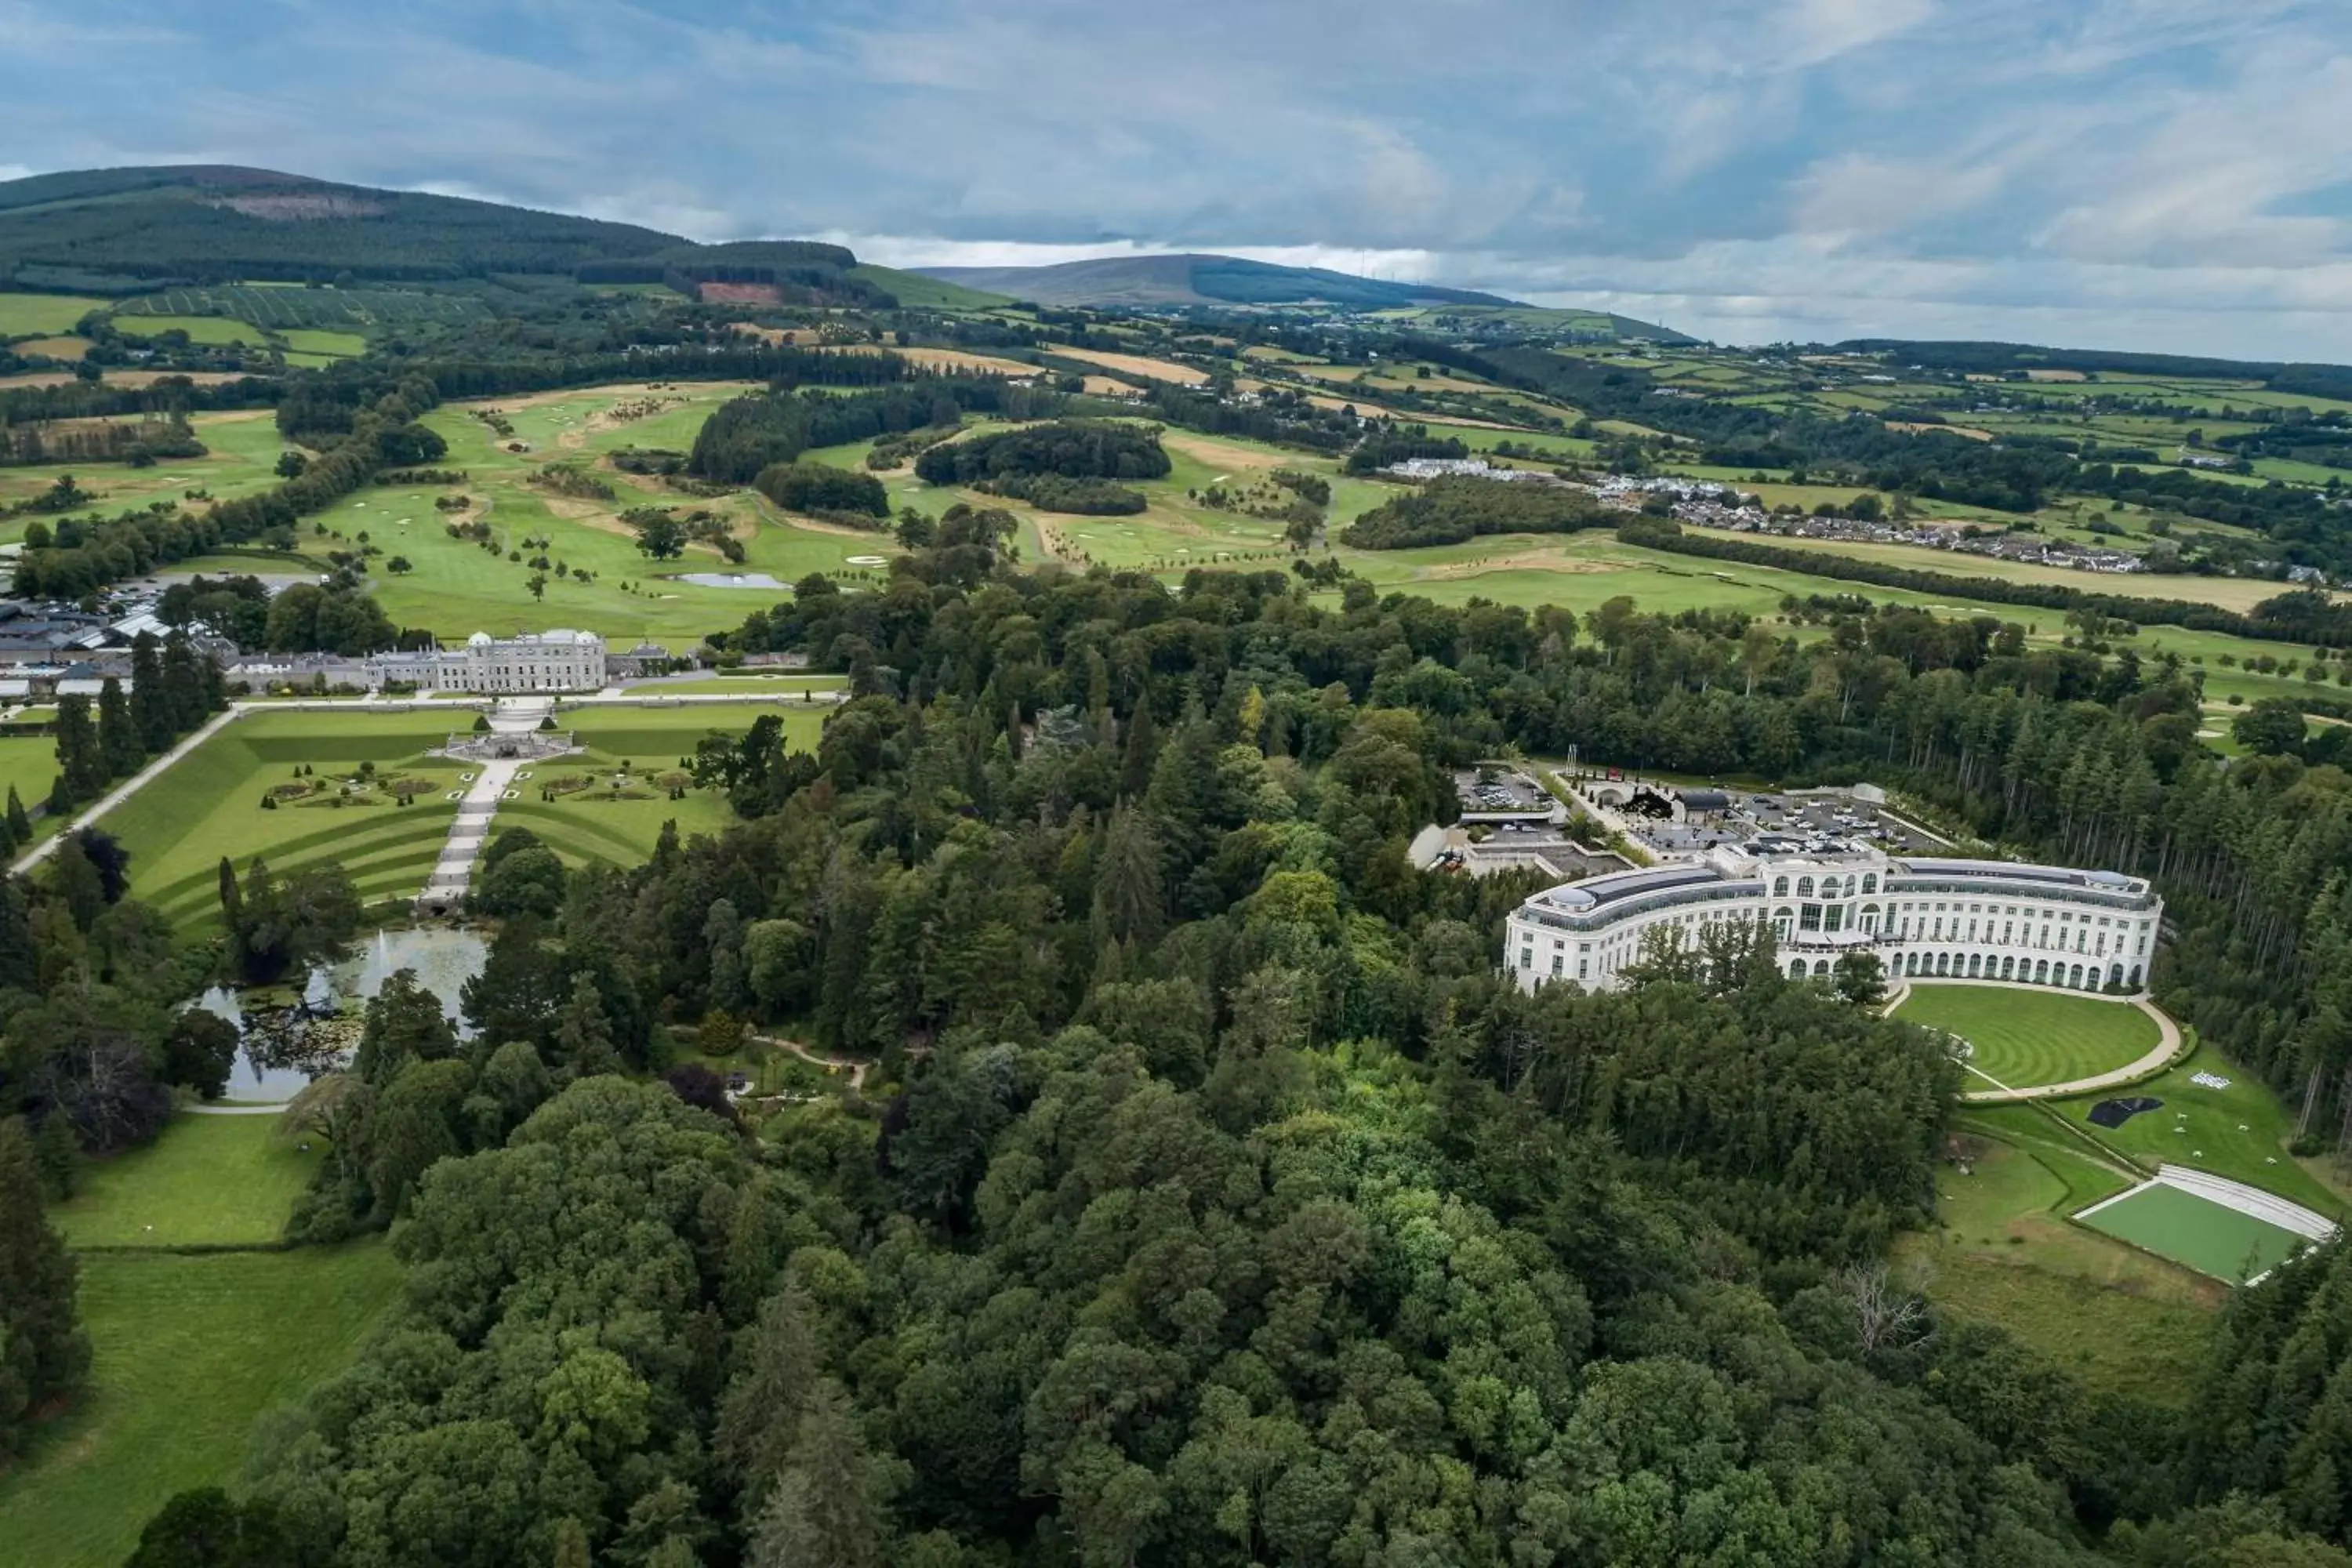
1200 279
118 231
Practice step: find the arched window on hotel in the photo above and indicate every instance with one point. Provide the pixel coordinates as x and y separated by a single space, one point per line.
1779 887
1821 969
1784 920
1870 882
1870 919
1796 969
1804 887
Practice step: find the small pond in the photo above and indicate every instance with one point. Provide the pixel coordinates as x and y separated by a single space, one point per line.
285 1047
730 580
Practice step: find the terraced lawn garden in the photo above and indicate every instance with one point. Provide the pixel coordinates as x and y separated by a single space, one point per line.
208 806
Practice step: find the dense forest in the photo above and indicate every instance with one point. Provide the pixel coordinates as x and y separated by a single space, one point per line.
1068 448
1452 509
1211 1199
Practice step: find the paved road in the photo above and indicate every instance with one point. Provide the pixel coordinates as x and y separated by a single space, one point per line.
128 787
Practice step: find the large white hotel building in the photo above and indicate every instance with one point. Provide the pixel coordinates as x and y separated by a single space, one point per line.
1977 919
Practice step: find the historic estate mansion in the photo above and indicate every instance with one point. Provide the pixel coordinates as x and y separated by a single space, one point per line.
1989 920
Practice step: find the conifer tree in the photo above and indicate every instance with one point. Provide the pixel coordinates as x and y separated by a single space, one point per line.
20 823
150 707
43 1351
118 734
81 763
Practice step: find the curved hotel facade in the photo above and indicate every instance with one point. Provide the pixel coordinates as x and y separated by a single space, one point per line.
1974 920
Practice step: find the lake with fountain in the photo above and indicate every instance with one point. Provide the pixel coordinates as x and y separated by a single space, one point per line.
284 1044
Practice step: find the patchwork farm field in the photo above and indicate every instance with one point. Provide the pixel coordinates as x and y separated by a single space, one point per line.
28 315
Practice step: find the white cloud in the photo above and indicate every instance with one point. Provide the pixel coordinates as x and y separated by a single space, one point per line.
1820 30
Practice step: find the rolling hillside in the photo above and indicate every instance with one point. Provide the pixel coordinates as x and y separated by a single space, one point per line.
119 231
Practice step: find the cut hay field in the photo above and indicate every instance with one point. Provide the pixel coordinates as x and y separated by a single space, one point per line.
208 806
2023 1037
1134 364
43 315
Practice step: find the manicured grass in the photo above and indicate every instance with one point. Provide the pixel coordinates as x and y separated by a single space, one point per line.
655 738
2021 1038
209 1181
2210 1237
43 313
745 683
594 827
2240 1132
29 764
455 586
209 806
241 449
189 1352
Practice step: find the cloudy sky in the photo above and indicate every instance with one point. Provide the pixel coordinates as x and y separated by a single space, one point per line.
2172 174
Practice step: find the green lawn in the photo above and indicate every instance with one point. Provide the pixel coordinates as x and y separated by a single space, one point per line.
2004 1253
601 825
2210 1237
455 586
25 315
28 763
189 1352
2240 1132
747 684
320 341
241 449
221 330
2021 1038
209 806
209 1181
655 738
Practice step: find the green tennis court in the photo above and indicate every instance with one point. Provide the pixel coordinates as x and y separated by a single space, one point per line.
2212 1238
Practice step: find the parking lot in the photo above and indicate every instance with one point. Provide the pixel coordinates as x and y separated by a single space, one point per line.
1835 816
1493 791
